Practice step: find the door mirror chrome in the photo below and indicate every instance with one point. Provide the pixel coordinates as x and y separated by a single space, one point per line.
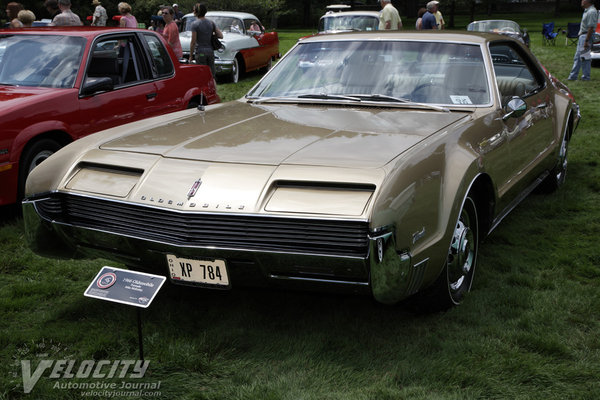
515 108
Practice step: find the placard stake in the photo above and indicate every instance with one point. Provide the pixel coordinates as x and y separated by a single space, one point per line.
140 336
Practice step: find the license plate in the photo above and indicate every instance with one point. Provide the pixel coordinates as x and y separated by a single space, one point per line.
204 271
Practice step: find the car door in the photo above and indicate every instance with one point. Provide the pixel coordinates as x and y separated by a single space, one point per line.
530 136
119 57
259 55
169 91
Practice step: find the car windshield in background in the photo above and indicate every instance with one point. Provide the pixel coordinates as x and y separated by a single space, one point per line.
348 23
409 71
494 26
40 61
225 24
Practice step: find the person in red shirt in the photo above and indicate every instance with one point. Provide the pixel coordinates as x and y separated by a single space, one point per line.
171 32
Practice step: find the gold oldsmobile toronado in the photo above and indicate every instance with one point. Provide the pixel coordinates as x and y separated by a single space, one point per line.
369 162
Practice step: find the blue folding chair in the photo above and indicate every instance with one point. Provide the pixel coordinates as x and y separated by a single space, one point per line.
549 36
572 33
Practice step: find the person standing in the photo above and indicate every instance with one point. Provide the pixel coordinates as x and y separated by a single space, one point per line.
419 21
583 58
26 17
100 17
428 21
202 30
66 16
52 8
439 19
389 18
171 32
12 12
177 15
127 19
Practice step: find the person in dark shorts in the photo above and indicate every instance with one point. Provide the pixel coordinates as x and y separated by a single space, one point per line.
202 30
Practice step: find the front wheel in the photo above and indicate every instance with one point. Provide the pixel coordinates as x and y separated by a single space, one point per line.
455 281
267 67
558 175
32 157
235 71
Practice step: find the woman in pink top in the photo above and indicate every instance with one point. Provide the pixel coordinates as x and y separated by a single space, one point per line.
171 32
127 20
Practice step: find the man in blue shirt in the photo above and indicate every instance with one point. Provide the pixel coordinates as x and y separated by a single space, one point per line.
583 57
428 21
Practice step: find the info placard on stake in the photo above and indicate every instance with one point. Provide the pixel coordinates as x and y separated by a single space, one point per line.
124 286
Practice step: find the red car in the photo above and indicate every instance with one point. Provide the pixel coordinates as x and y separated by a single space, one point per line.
59 84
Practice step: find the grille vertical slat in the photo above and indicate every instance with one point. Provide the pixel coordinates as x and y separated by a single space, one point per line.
267 233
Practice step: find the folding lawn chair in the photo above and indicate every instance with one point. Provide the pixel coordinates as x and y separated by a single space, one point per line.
572 33
549 36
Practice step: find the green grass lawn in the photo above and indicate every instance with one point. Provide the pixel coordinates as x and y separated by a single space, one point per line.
528 330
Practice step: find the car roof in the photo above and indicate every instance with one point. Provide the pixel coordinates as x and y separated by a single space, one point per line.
236 14
332 14
83 31
430 36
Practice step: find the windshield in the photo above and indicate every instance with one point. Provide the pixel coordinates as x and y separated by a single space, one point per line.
225 24
348 23
44 60
494 26
425 72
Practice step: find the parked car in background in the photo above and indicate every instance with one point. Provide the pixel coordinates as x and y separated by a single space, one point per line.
596 46
246 44
501 26
346 21
368 162
59 84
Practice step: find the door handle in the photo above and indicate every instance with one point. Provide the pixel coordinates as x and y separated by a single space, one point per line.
151 95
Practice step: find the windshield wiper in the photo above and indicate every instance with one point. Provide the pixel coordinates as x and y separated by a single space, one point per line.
257 100
326 96
383 97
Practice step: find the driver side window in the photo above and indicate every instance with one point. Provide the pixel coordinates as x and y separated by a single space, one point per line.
115 58
513 74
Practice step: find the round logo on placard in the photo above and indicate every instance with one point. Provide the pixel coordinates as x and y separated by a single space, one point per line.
106 280
143 300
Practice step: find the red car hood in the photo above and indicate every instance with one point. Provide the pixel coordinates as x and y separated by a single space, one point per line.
18 96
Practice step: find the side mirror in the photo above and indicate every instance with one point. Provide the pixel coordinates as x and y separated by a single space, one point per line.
95 85
515 108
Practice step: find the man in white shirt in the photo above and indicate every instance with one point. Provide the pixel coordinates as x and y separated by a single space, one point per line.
389 18
66 16
100 16
583 57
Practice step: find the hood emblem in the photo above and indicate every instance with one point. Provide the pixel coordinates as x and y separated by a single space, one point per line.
194 189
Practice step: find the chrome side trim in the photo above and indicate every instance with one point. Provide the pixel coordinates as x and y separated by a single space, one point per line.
517 200
317 280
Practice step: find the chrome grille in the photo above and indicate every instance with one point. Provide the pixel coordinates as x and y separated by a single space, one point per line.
266 233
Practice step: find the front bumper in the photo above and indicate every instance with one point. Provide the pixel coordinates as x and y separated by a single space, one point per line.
223 67
53 229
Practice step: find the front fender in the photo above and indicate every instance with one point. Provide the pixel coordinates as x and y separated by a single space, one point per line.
30 132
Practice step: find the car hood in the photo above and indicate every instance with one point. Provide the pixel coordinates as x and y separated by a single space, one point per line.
15 96
237 132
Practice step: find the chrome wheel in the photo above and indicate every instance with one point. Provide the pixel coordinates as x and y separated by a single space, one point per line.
235 72
560 172
38 158
32 156
558 175
462 253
